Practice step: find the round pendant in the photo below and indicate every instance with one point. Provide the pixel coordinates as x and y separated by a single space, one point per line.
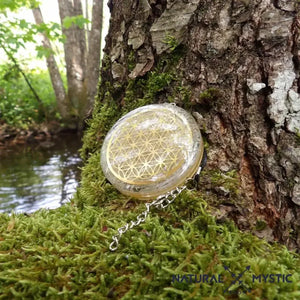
152 150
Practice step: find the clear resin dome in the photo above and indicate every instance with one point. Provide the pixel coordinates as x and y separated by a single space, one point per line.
152 150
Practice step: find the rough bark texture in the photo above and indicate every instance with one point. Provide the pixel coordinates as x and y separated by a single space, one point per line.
82 64
74 48
94 50
56 80
241 69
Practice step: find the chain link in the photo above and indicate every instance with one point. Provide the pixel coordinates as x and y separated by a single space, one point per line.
161 202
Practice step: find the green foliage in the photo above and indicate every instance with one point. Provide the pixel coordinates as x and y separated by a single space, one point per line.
52 30
43 52
12 40
79 21
18 107
141 92
14 5
184 93
158 81
14 34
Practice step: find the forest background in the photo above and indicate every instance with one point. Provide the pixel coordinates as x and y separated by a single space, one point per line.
46 77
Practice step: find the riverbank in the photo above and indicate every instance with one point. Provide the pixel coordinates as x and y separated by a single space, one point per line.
12 135
37 133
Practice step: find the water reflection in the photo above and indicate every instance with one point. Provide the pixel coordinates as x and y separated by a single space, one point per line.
44 175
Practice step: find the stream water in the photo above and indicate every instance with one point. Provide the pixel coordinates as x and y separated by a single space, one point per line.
42 175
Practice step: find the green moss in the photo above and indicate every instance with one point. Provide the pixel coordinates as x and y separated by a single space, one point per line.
104 116
143 91
260 225
171 42
228 180
205 141
184 94
298 137
105 63
131 61
63 254
95 190
210 97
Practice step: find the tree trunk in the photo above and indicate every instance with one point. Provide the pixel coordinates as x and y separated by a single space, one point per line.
75 54
237 68
82 64
56 80
94 51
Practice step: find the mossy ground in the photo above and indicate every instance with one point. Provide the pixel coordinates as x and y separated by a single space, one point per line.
64 254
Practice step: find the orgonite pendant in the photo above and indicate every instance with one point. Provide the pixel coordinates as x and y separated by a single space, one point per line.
152 150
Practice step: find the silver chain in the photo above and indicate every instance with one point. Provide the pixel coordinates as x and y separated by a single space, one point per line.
160 202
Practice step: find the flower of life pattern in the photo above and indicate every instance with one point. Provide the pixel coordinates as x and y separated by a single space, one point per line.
149 147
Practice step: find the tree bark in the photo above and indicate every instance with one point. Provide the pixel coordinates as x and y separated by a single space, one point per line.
56 80
87 28
82 64
75 54
241 69
94 52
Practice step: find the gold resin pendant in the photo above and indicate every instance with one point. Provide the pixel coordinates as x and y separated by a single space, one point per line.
152 150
